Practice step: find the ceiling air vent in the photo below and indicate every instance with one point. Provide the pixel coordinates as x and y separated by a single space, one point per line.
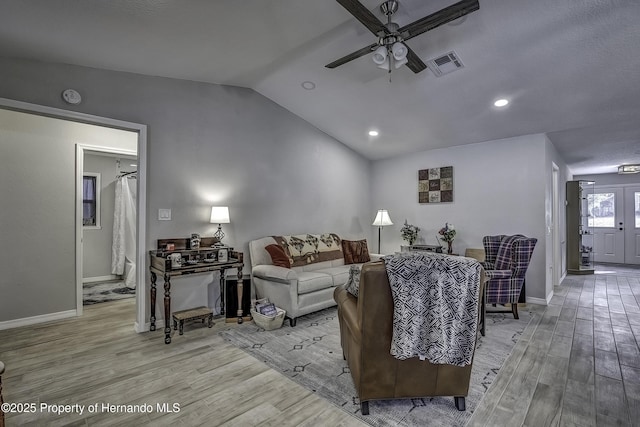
445 64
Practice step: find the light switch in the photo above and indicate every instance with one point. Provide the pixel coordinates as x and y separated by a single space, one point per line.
164 214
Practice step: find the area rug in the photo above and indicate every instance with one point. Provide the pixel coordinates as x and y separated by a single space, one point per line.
94 293
310 354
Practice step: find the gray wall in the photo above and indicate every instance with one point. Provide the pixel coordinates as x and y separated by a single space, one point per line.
37 218
553 157
208 144
499 188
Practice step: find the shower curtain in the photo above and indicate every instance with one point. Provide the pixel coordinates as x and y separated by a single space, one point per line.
123 251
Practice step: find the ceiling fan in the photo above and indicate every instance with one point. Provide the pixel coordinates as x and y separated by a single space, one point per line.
391 47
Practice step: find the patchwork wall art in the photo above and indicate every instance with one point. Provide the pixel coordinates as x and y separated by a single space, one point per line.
435 185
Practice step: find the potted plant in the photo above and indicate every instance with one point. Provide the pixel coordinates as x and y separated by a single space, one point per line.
448 233
409 232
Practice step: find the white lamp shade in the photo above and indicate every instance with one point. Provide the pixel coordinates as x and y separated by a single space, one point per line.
399 51
380 55
399 62
382 218
385 64
219 215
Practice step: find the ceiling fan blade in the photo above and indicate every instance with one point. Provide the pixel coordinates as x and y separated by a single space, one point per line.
438 18
414 62
352 56
364 15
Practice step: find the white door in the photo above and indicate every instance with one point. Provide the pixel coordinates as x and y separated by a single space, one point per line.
632 224
607 219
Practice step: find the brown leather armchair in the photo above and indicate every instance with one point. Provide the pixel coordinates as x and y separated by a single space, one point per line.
366 332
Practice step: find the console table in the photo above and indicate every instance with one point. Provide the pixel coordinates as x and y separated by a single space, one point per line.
202 260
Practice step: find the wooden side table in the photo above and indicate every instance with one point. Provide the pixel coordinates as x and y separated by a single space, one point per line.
200 261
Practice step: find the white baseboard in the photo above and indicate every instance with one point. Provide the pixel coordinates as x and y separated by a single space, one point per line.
100 278
539 301
145 327
16 323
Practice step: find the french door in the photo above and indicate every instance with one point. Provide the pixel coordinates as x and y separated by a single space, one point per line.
614 214
632 224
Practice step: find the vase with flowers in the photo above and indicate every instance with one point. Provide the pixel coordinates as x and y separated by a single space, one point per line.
409 232
448 233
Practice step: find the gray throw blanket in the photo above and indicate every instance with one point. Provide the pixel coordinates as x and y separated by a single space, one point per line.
435 298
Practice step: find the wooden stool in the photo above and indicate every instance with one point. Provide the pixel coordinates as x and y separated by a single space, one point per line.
203 313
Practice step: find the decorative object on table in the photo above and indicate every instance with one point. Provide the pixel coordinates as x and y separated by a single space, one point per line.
195 241
409 232
176 259
219 215
506 263
223 255
435 185
382 219
448 233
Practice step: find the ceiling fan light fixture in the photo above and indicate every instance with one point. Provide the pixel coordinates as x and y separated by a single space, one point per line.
399 51
399 63
385 64
380 55
501 102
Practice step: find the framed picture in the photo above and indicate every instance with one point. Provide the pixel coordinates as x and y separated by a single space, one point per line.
223 255
435 185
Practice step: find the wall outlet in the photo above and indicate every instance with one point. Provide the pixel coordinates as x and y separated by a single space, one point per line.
164 214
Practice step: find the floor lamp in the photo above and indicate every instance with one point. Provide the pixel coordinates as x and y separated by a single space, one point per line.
382 219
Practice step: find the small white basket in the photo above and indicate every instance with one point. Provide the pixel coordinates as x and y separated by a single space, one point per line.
266 322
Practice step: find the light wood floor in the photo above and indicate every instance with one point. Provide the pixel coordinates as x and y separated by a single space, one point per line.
100 359
578 364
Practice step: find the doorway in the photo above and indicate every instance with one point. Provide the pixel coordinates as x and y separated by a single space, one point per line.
615 217
65 116
632 224
108 253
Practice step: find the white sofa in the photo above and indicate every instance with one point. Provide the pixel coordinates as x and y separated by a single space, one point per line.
301 289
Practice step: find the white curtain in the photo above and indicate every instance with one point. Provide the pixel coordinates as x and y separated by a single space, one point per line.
123 251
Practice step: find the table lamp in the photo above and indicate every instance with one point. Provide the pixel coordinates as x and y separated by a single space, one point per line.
219 215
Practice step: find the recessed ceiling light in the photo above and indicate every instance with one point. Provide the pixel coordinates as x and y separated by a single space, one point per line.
501 102
308 85
373 133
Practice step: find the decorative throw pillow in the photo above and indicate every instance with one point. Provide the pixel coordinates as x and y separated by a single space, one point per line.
355 251
278 257
353 283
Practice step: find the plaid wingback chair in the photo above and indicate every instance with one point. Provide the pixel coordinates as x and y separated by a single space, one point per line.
506 262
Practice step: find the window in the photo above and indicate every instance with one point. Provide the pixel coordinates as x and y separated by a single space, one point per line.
602 210
91 200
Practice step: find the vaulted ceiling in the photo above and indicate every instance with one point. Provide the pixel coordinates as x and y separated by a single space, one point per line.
570 69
